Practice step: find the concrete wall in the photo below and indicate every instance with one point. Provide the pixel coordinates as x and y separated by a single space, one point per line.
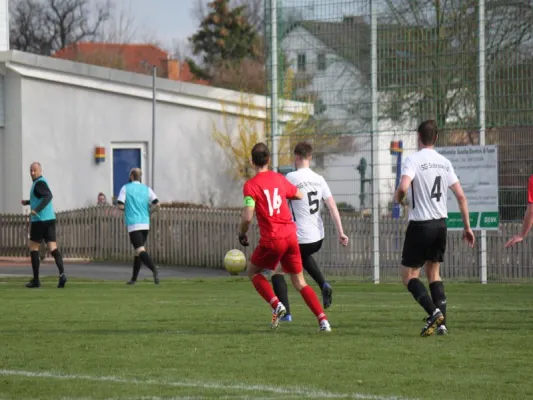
13 190
62 124
2 168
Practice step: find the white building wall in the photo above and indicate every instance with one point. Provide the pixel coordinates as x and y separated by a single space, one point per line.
4 25
343 178
300 41
12 187
63 124
2 169
340 86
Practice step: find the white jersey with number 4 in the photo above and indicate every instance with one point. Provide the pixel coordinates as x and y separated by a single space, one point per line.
306 212
432 174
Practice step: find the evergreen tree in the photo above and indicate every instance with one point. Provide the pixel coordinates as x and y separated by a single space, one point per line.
225 38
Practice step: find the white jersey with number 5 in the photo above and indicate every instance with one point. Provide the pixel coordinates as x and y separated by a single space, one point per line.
432 174
306 212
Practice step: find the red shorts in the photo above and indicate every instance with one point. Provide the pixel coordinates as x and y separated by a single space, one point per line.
271 252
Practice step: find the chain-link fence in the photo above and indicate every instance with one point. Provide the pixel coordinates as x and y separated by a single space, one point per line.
373 70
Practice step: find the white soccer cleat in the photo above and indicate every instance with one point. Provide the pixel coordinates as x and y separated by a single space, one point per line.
325 326
277 315
442 330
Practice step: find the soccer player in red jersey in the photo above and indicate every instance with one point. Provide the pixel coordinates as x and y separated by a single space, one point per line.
528 217
266 193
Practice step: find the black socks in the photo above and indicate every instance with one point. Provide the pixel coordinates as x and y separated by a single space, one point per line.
420 294
281 291
136 268
35 263
439 297
59 261
145 258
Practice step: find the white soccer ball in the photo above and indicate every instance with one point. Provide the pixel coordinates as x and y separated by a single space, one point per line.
235 261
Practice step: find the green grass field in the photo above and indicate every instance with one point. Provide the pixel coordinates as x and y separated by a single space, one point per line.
194 339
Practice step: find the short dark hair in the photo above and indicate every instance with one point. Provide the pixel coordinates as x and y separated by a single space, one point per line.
260 155
428 131
303 149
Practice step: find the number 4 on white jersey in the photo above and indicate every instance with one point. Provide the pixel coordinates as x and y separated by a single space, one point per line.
274 203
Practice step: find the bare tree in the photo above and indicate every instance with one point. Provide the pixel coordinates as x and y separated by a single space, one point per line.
121 27
181 49
45 26
428 54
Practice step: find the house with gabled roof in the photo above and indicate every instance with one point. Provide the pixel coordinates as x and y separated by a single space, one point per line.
416 69
332 64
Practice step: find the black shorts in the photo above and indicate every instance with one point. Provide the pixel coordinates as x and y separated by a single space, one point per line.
424 241
308 249
43 230
138 238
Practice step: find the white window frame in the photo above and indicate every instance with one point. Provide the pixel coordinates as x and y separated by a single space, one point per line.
142 146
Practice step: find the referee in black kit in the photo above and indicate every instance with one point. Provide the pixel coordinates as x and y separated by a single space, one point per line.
42 226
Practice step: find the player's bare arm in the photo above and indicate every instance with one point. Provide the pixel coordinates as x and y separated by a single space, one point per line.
298 196
155 205
526 227
121 200
334 212
468 235
246 220
401 191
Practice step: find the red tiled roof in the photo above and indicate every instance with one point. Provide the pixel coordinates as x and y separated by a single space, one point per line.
127 57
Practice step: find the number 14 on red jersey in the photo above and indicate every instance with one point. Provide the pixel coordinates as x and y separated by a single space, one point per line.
274 201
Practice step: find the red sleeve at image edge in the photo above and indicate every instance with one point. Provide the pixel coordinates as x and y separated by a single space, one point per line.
530 190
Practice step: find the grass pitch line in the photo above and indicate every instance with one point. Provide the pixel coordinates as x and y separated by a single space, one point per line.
302 392
180 398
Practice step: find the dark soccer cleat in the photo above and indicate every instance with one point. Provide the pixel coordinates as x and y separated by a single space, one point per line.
131 282
62 281
156 275
327 295
431 323
33 284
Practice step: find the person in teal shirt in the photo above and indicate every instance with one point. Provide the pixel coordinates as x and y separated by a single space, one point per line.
42 225
138 201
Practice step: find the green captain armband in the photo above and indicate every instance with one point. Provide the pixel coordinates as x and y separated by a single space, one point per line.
249 201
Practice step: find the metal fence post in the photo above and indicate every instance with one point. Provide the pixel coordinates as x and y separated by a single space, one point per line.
374 140
482 126
274 83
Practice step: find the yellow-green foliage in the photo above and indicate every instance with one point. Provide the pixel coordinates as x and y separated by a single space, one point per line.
237 141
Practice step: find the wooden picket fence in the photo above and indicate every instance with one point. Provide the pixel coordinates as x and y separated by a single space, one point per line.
201 236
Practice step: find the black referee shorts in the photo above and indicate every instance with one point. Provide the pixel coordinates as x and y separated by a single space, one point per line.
43 230
138 238
424 241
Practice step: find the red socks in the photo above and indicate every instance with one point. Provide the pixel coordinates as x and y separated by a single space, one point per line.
263 287
265 290
312 302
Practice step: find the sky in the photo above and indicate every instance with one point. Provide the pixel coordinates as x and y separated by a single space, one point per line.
166 20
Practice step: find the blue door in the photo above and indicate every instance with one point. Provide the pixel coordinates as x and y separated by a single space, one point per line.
123 161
